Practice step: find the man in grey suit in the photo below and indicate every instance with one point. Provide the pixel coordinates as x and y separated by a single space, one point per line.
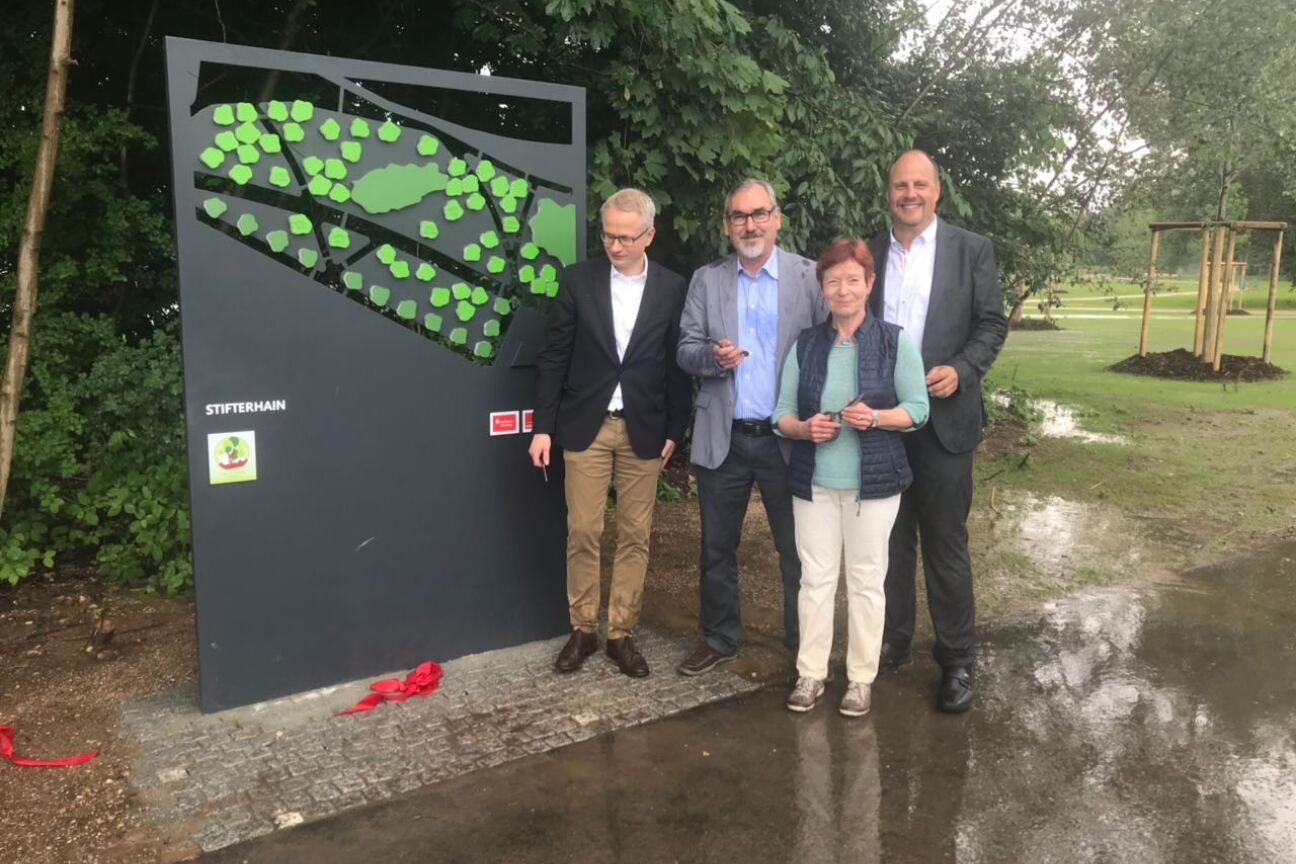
742 315
940 283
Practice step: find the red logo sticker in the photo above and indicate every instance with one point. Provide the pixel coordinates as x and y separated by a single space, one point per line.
504 423
528 418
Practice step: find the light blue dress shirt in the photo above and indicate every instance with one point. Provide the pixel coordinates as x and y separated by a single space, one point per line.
756 378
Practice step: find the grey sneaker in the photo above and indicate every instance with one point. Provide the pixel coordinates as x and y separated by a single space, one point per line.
857 701
805 694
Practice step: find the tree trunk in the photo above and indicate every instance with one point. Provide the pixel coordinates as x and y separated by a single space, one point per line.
33 228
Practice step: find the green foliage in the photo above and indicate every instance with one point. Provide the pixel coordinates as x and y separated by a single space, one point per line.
99 464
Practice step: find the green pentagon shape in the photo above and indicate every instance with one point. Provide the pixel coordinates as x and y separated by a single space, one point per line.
427 145
530 251
400 269
440 297
548 273
248 133
379 295
339 193
499 187
508 204
461 291
470 184
483 350
386 253
223 115
226 141
432 321
425 272
479 296
302 111
476 201
454 187
472 252
389 132
280 177
495 264
359 128
277 111
485 170
489 239
518 188
511 225
457 167
502 306
312 165
307 257
335 169
428 229
406 309
459 336
491 328
212 157
352 280
246 112
270 144
293 133
248 155
552 289
465 311
319 185
526 273
453 211
538 287
240 174
299 224
330 129
215 207
339 238
351 151
277 240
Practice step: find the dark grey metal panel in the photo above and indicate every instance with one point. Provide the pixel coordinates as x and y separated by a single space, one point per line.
385 525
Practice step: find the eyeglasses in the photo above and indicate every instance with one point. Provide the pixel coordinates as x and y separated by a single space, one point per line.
614 239
738 218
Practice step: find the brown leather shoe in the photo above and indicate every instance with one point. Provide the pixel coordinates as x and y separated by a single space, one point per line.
573 654
627 657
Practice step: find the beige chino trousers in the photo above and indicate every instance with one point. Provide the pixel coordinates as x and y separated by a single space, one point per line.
609 458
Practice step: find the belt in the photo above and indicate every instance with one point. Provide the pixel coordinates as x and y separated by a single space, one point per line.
616 415
753 427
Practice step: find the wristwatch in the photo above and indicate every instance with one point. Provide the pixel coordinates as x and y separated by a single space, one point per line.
873 423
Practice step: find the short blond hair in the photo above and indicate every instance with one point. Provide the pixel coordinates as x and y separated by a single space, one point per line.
632 201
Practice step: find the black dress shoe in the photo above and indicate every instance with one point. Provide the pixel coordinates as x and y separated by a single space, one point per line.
573 654
893 658
627 657
955 690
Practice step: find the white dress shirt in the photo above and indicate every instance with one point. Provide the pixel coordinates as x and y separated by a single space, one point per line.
907 292
627 295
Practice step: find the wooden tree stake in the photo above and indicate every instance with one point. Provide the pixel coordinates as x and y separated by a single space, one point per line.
1147 293
1203 281
1222 307
1273 296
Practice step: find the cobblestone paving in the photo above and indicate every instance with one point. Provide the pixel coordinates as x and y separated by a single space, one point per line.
222 778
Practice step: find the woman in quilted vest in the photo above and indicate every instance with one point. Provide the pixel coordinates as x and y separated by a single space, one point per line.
851 388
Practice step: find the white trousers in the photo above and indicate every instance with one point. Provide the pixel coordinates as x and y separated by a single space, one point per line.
835 520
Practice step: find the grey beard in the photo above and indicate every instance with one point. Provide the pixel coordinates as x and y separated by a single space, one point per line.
750 248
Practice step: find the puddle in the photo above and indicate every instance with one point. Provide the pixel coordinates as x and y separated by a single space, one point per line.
1061 536
1060 421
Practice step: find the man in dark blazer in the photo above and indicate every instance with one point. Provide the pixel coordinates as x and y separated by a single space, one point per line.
940 283
610 394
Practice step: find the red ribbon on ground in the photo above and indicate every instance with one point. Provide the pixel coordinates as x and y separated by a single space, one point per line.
425 678
7 751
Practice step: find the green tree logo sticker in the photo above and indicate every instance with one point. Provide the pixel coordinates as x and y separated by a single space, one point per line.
232 457
381 205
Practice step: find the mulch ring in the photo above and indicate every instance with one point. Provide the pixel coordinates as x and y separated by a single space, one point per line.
1181 365
1034 324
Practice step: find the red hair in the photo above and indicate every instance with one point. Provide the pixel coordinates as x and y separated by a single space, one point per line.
841 251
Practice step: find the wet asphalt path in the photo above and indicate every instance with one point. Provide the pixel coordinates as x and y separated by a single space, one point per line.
1148 725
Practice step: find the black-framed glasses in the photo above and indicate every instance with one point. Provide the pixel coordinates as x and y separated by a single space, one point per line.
738 218
613 239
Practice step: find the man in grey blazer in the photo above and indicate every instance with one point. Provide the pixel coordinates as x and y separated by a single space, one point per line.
940 283
742 315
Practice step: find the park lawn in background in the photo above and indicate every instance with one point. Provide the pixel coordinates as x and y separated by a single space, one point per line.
1177 294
